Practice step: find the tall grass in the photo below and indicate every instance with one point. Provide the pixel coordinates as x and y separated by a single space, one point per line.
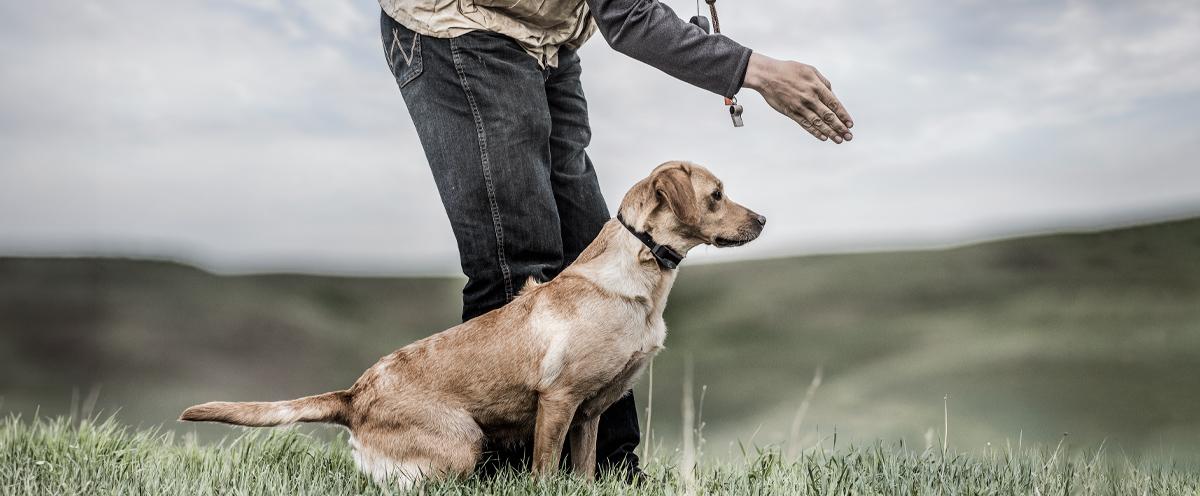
62 456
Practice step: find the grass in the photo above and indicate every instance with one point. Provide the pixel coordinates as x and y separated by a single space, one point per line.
65 457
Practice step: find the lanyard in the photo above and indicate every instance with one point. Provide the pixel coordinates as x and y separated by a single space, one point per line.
735 110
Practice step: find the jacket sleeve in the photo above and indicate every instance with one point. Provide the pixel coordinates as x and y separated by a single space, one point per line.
650 32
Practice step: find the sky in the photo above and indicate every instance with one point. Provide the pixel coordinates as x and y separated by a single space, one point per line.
260 135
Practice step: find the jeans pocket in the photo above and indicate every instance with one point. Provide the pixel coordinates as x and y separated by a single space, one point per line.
402 47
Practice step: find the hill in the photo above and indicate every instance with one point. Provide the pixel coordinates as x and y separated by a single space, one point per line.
1093 334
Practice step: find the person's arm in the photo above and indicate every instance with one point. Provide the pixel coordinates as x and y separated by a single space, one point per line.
650 32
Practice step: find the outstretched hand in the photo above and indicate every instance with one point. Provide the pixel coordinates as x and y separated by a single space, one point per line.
800 92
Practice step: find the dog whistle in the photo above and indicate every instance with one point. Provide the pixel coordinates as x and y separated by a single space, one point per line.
735 113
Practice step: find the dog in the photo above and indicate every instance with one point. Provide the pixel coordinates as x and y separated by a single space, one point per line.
547 363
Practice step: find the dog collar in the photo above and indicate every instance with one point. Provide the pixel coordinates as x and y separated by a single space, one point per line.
666 256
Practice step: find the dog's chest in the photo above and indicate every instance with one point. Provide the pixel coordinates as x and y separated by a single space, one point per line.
618 386
653 336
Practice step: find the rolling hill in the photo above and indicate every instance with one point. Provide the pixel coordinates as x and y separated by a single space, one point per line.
1092 334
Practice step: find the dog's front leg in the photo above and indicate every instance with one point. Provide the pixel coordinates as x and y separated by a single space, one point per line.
583 448
553 419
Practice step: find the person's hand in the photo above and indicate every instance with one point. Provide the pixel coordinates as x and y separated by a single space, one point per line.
800 92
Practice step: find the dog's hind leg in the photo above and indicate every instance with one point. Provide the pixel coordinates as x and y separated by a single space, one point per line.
407 451
385 470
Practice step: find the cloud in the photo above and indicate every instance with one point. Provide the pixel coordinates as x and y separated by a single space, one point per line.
263 134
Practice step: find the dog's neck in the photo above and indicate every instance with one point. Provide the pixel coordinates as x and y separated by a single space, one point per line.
666 256
649 219
619 263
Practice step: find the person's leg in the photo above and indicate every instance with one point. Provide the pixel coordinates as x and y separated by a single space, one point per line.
581 206
583 213
478 103
479 107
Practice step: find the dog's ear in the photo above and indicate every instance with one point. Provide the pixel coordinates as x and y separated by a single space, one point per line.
674 186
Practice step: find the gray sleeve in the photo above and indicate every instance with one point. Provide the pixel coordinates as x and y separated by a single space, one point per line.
650 32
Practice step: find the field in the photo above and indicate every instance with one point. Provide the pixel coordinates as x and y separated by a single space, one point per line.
64 457
1087 339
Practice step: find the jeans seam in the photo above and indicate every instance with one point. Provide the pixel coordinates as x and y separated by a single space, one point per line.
486 166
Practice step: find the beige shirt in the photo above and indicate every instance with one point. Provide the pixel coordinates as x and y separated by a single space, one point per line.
540 26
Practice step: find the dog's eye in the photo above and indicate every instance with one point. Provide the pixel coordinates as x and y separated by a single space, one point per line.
716 195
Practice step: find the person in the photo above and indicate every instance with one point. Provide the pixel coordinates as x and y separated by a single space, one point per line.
493 89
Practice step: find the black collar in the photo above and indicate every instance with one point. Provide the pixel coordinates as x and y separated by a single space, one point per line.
666 256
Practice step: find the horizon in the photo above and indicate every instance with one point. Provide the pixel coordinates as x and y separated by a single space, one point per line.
310 270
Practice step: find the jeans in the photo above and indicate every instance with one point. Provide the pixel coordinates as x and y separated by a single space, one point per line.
505 139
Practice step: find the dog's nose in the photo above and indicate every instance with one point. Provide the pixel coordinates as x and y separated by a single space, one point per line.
762 221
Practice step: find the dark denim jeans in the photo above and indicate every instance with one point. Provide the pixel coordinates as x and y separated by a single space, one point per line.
506 141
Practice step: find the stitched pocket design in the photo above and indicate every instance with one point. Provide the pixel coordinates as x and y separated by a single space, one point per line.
404 55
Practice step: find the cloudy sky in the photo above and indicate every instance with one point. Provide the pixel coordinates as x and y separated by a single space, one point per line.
266 135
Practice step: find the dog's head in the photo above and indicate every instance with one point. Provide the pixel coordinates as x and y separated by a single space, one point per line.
683 205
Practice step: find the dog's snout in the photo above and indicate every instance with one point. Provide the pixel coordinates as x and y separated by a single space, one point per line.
761 220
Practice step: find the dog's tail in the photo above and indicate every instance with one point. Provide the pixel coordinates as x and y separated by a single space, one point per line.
329 407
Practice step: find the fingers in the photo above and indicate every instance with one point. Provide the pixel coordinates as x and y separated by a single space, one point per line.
817 116
806 125
831 101
828 85
831 119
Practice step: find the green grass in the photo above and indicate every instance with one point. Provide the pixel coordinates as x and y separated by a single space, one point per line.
64 457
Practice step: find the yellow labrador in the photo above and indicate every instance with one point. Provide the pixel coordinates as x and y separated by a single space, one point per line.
547 363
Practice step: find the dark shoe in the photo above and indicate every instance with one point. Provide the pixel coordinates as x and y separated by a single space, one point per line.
636 477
